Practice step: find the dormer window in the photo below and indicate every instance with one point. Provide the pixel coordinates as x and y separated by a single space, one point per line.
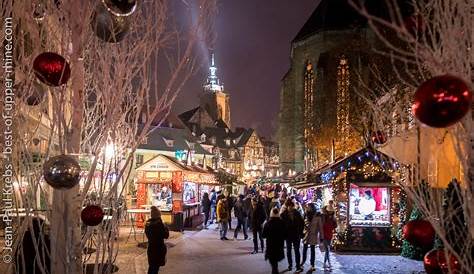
169 143
203 137
227 142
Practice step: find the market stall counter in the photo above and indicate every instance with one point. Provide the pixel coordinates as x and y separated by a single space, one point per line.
172 186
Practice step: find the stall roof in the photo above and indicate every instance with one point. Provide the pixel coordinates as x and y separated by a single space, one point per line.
322 175
173 165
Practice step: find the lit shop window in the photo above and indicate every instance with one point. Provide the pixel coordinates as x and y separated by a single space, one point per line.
369 206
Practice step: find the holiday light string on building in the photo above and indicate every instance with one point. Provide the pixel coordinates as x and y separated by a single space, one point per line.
371 164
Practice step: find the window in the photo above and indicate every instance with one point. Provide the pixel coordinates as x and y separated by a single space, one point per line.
213 140
369 206
342 109
203 138
169 143
138 160
308 101
227 142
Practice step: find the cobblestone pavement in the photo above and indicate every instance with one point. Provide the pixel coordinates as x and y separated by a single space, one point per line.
201 252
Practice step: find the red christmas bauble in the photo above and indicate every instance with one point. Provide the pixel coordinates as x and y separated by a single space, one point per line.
51 69
419 233
378 137
92 215
435 262
442 101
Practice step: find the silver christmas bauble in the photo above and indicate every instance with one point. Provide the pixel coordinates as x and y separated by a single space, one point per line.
61 172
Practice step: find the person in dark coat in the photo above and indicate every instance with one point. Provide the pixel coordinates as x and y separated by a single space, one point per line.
274 233
248 209
27 259
213 205
294 224
230 206
241 214
206 208
156 233
258 218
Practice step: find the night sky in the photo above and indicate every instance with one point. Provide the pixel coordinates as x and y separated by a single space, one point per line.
252 55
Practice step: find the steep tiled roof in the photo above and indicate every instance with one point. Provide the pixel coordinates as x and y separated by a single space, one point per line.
340 15
172 139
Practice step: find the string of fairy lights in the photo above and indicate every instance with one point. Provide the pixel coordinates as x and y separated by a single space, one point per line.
369 165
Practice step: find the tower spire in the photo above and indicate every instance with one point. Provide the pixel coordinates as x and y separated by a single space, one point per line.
212 83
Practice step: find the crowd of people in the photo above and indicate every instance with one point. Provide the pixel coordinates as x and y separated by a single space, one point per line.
276 221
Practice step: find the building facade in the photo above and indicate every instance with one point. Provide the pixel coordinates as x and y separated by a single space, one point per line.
321 114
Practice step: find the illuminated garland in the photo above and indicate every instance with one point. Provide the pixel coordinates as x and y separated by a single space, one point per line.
308 102
342 125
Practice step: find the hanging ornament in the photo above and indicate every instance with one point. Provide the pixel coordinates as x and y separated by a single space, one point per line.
442 101
378 137
108 27
92 215
120 7
39 11
51 69
61 172
419 233
435 262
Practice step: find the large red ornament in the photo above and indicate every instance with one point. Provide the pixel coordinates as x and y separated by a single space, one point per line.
51 69
419 233
378 137
442 101
435 262
92 215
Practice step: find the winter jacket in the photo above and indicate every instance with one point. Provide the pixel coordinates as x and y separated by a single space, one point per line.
294 224
222 211
156 233
274 233
206 205
313 230
329 224
240 210
213 199
258 216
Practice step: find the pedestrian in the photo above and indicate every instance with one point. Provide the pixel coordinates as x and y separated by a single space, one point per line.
312 234
206 208
258 218
329 225
274 233
294 224
156 233
28 260
230 206
222 217
241 214
213 205
248 209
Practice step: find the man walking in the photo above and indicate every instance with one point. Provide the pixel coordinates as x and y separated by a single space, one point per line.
258 218
241 214
294 225
222 217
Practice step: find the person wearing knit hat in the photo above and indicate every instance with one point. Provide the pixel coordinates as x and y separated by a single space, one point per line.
274 233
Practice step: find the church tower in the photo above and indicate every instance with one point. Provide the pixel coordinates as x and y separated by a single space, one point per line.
213 98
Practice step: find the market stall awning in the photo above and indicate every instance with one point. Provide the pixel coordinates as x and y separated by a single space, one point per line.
324 174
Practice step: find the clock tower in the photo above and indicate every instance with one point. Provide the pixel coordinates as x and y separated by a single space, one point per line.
213 97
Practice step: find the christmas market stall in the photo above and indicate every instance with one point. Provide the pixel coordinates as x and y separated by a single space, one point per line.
369 206
167 183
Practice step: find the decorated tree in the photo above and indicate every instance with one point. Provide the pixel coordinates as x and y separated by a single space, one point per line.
91 80
425 112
